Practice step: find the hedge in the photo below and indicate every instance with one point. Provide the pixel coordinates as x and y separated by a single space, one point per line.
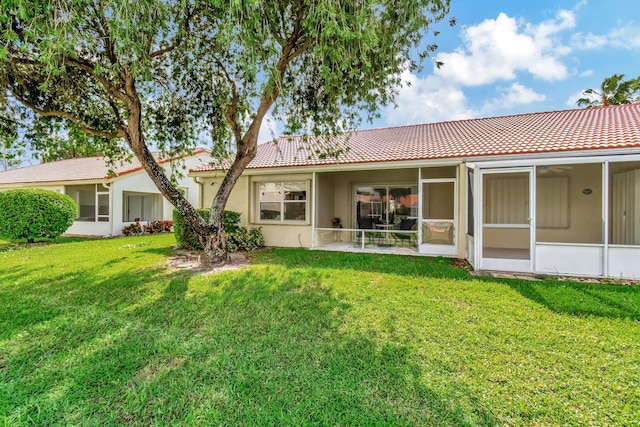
35 214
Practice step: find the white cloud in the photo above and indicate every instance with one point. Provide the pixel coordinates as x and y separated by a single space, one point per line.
572 101
427 100
626 36
514 95
586 73
496 49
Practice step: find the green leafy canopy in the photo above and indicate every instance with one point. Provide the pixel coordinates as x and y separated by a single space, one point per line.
165 73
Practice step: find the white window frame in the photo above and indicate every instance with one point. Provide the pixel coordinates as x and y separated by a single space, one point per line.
283 202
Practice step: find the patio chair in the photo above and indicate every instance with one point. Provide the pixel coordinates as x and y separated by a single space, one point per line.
407 224
366 224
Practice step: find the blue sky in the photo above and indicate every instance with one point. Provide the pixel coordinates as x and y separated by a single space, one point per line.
516 56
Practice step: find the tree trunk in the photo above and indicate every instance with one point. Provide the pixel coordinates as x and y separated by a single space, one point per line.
211 235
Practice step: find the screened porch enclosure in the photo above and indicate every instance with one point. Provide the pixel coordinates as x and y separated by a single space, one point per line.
396 211
573 218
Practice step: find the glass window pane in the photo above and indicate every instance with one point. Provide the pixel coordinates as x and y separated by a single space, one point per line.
270 192
269 210
295 191
371 202
103 204
295 211
403 203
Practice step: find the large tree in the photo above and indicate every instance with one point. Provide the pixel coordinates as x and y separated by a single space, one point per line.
163 73
10 144
613 90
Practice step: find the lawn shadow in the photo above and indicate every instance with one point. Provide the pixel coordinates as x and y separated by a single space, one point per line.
256 346
581 299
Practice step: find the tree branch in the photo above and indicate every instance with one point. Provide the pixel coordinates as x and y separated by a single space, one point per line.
65 115
232 109
162 51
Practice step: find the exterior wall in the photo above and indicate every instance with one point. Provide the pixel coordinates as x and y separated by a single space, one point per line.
243 199
282 234
326 202
238 200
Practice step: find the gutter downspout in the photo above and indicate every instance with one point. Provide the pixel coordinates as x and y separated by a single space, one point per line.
196 179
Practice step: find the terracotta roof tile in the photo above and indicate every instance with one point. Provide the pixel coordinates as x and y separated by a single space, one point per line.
557 131
83 169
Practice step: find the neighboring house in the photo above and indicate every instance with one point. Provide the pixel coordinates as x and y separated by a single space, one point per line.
107 202
550 193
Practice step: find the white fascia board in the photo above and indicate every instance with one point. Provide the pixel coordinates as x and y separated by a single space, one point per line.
545 159
52 183
340 167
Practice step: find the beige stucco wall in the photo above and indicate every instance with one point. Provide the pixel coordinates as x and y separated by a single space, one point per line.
280 234
335 198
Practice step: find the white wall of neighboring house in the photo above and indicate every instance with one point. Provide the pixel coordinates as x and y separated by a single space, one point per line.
140 183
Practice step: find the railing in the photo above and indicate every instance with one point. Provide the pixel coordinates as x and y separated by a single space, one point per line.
351 238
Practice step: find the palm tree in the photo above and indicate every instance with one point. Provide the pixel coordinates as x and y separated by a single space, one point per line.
613 91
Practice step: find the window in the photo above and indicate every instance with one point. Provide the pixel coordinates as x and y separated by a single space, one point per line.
141 207
282 201
92 201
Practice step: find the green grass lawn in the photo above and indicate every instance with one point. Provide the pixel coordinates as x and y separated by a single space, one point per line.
102 332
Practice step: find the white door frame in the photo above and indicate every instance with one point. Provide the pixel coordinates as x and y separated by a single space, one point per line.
433 249
504 264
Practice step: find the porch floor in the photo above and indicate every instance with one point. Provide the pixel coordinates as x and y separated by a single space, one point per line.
368 248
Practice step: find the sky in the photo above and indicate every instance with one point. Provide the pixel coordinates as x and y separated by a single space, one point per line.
515 56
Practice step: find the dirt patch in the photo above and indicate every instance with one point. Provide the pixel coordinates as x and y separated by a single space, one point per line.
190 260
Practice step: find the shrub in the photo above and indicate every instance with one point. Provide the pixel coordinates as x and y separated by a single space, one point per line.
134 229
35 214
245 240
158 227
238 238
186 238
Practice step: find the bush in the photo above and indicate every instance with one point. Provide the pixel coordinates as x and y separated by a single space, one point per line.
35 214
158 227
186 238
245 240
238 238
134 229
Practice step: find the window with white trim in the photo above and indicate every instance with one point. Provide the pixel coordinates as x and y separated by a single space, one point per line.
282 201
92 201
141 207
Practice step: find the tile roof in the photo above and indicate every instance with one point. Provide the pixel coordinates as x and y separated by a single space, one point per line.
82 169
548 132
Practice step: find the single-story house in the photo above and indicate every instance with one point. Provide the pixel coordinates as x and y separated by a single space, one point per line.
549 193
107 201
